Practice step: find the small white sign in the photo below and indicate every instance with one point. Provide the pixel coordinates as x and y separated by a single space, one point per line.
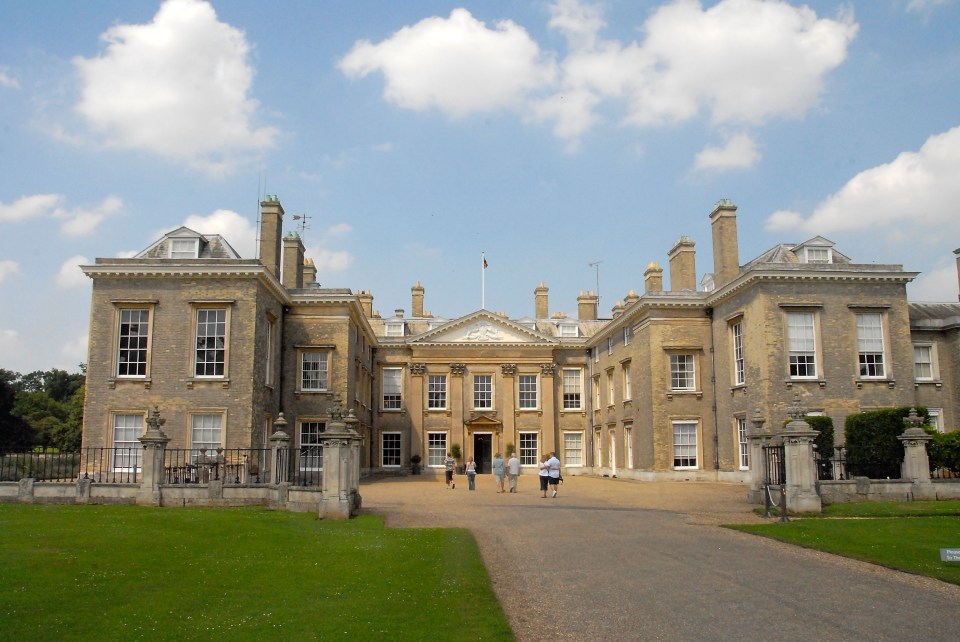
950 554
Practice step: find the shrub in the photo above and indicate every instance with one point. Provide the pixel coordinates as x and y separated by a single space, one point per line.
945 451
873 449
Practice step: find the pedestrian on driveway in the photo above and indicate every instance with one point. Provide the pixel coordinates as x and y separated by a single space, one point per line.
471 474
513 471
448 465
498 470
544 475
553 472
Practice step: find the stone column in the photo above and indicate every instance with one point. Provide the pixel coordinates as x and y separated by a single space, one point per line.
757 437
551 409
154 443
916 462
801 467
341 466
280 459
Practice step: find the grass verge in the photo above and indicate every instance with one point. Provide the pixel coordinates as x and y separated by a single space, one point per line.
906 536
138 573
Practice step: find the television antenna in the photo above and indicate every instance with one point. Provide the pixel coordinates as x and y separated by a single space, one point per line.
596 266
303 225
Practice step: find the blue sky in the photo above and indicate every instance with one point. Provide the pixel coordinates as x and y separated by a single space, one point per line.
416 135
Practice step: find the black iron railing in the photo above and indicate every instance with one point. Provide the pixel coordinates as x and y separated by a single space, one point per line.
775 469
832 467
229 465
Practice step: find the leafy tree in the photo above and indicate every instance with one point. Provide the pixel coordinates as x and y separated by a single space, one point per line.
873 449
15 433
945 451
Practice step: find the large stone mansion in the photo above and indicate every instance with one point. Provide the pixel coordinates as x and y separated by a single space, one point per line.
665 389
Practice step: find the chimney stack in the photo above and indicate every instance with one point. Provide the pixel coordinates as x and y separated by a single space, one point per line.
366 303
309 272
653 278
587 304
271 228
683 269
726 256
541 307
292 261
416 308
631 298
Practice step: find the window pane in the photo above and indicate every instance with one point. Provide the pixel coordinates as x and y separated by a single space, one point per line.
391 449
528 392
127 451
528 449
571 389
436 448
132 348
738 373
205 434
802 344
313 373
870 345
923 362
684 444
311 450
573 448
742 439
437 392
682 375
211 342
483 392
392 382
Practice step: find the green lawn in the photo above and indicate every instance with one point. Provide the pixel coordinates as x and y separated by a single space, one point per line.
137 573
906 536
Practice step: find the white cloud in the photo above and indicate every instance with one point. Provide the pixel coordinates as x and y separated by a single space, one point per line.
455 64
927 5
12 349
740 61
914 194
29 207
939 284
8 81
340 229
76 349
8 268
739 152
240 233
329 260
83 221
70 276
177 86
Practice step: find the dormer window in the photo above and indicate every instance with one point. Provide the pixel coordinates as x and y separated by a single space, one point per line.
568 330
394 329
817 255
184 248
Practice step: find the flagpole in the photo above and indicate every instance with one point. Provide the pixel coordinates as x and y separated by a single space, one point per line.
483 281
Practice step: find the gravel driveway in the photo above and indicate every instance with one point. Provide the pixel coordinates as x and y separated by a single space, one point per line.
623 560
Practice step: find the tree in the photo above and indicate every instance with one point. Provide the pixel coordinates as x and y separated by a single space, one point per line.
15 433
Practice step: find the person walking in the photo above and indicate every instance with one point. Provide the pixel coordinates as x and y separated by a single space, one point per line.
544 475
498 471
513 471
553 473
471 474
448 465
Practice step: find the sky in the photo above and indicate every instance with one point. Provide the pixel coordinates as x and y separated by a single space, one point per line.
570 142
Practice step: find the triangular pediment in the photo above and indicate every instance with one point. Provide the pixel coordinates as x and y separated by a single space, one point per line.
483 328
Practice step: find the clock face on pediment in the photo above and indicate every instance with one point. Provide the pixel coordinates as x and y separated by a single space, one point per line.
483 330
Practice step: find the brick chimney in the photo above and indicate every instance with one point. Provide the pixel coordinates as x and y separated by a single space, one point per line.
541 304
683 268
653 278
366 302
726 257
587 304
292 261
416 307
309 272
271 228
631 298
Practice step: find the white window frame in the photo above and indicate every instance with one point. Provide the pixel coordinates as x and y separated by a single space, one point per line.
935 418
742 443
184 248
610 393
628 443
270 349
802 345
569 330
393 448
683 371
220 339
609 346
596 392
206 431
125 432
686 445
871 356
315 378
394 329
528 448
573 449
126 335
572 388
311 446
627 385
931 363
437 449
391 384
437 392
627 334
482 392
528 395
817 254
739 375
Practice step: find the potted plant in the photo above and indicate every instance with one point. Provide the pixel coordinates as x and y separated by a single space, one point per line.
415 464
510 449
457 454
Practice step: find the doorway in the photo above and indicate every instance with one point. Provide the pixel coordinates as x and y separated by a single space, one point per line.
483 451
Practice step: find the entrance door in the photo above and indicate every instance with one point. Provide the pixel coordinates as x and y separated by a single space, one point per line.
483 451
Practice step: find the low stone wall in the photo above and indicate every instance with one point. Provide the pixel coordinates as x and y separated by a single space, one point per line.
862 489
214 493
